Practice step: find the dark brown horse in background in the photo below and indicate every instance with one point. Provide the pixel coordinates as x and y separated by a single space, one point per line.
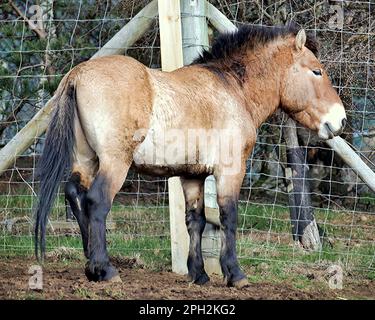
109 113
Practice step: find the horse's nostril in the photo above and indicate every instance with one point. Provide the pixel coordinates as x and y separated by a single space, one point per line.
329 130
343 122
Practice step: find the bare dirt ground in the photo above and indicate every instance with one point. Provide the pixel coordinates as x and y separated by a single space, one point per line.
67 281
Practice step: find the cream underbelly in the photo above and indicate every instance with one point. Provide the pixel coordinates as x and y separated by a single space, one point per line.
187 152
170 156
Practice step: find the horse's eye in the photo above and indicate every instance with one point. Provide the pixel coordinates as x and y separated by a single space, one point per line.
317 72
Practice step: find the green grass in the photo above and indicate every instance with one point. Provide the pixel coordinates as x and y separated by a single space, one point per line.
264 236
153 252
22 203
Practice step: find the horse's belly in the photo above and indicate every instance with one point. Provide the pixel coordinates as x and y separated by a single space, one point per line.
172 170
161 157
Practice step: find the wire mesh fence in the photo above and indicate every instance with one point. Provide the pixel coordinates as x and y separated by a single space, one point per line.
33 63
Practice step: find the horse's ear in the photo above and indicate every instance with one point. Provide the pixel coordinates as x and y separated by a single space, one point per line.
300 39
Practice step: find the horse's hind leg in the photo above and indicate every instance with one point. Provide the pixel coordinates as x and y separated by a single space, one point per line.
195 222
108 181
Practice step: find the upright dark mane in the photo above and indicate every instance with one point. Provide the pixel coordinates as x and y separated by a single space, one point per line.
228 45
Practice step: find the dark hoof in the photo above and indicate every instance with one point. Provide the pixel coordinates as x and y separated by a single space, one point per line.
200 279
101 273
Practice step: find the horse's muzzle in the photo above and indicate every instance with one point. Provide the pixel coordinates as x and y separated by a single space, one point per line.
333 122
333 133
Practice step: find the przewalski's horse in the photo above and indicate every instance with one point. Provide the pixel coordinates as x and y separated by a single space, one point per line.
110 113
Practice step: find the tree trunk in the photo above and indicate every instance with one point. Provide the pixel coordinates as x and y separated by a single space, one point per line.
304 227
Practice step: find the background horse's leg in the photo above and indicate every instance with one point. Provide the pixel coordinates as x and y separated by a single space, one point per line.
195 222
107 183
75 193
228 189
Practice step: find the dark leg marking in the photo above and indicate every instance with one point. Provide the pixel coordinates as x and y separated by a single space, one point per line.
76 196
228 257
98 267
196 221
69 216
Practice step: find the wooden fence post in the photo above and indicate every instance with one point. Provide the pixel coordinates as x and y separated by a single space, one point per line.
171 59
353 160
218 20
194 40
211 239
194 29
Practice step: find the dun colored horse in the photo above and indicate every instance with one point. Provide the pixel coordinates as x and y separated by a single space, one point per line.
113 112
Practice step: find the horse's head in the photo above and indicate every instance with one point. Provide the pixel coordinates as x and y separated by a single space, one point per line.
307 93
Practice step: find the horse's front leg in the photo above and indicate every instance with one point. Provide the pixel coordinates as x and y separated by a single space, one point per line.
195 222
228 189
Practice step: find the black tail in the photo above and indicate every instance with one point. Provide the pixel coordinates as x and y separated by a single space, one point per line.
55 159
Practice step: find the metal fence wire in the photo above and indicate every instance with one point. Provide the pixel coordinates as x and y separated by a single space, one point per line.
33 62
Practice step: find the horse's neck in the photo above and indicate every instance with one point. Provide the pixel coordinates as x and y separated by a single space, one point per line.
261 87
